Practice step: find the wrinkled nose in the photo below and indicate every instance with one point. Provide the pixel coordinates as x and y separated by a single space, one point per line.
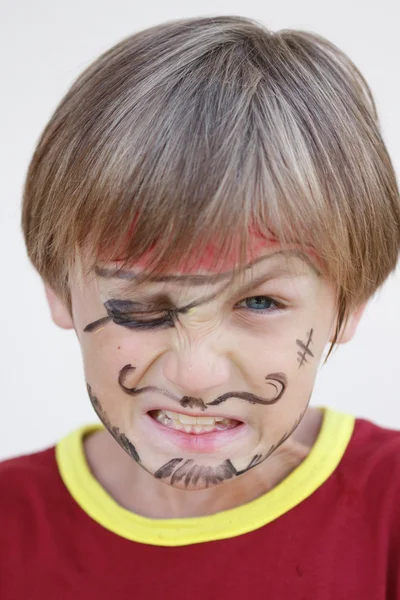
195 372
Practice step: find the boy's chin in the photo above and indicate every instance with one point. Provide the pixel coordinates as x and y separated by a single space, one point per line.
189 474
191 487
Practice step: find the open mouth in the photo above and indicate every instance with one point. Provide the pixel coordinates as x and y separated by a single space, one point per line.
193 424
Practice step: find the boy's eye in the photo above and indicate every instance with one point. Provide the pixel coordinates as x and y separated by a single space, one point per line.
143 320
122 313
133 316
260 304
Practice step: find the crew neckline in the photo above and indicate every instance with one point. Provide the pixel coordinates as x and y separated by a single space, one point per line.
328 449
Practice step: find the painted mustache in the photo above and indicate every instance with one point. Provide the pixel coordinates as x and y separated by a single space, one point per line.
276 382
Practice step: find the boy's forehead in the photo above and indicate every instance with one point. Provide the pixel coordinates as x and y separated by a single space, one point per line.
209 261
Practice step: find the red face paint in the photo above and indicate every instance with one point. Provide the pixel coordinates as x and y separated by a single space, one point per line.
209 261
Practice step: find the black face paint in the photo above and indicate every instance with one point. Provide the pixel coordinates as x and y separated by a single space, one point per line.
156 314
115 432
128 369
277 383
133 315
97 324
305 348
190 472
136 315
177 469
191 402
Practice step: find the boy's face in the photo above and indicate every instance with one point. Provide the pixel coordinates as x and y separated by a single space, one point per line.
200 378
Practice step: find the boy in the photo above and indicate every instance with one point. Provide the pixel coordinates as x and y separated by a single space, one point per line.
209 206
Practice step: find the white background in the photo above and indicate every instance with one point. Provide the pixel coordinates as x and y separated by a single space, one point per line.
45 45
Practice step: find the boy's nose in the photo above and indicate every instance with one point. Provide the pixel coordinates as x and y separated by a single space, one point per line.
195 372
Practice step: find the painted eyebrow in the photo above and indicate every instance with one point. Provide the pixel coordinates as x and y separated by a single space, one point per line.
107 273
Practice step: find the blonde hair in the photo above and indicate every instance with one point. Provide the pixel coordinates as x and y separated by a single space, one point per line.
196 130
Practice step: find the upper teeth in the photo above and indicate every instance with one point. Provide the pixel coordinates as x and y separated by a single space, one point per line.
190 420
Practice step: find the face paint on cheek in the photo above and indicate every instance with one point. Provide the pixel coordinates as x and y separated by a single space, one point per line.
124 372
277 383
186 401
119 437
305 350
134 391
95 326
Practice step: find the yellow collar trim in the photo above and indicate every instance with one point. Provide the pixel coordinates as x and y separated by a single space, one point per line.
329 447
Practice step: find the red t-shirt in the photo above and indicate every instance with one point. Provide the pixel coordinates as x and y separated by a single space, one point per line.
330 530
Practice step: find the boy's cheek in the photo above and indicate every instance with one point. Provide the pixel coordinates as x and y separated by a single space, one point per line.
105 354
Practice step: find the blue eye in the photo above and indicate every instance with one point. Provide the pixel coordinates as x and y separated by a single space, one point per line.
260 304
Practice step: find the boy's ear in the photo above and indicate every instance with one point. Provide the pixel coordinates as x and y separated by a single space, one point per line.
347 332
59 310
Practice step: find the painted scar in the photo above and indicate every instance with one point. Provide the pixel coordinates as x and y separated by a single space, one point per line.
305 350
187 471
276 385
115 432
